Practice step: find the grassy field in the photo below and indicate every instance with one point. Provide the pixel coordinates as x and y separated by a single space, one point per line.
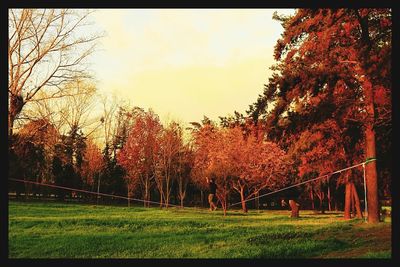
54 230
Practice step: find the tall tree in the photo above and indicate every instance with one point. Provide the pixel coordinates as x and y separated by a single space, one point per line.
170 143
332 63
93 163
260 165
238 161
139 154
43 135
44 52
184 166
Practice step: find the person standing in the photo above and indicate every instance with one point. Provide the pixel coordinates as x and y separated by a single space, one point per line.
213 190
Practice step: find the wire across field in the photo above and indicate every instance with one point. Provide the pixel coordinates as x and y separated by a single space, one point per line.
58 230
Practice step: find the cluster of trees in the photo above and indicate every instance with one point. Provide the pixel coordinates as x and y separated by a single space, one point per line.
156 156
239 159
328 102
326 107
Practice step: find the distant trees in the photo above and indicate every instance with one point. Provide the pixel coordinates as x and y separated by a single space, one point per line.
183 169
93 163
246 164
262 165
171 145
46 63
139 156
156 155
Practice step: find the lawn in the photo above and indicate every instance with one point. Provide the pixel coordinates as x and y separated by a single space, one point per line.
58 230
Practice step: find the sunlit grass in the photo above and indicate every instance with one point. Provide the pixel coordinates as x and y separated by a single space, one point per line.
52 230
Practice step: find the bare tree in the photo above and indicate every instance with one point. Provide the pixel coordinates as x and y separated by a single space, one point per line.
75 109
45 51
110 107
184 166
170 145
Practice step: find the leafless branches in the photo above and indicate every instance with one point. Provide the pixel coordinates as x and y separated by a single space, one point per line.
46 50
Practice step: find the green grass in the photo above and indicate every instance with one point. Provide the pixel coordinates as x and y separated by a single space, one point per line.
53 230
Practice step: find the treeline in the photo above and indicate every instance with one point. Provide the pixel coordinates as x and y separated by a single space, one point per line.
326 106
328 102
147 160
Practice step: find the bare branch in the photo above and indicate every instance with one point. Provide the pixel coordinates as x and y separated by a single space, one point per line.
41 39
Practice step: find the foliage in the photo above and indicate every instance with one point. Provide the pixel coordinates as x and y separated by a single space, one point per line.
331 86
139 155
93 162
238 160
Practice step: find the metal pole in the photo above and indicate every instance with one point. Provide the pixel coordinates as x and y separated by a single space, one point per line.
365 194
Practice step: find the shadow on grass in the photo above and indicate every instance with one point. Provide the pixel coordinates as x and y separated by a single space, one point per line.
300 248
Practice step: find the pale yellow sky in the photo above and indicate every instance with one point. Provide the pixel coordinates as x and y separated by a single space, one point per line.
186 63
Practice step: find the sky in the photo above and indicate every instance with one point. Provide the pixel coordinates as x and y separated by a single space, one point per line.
186 63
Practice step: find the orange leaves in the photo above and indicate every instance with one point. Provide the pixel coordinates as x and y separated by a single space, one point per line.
348 27
93 161
320 149
385 22
231 156
381 96
364 12
139 154
340 88
316 100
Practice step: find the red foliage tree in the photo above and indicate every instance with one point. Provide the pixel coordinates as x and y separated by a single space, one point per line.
332 63
261 165
246 164
93 162
211 160
139 155
170 142
322 150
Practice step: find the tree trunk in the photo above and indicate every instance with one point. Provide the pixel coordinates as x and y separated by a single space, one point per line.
223 199
161 198
371 177
98 190
16 105
148 198
347 201
223 204
329 199
295 208
257 201
145 193
352 208
10 125
370 145
312 199
356 202
182 191
321 199
167 193
244 208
